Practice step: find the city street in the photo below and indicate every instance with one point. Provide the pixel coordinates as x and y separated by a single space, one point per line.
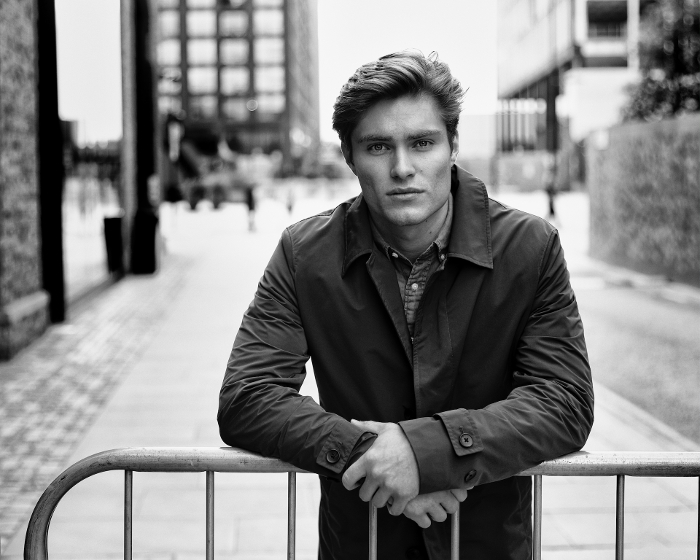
156 359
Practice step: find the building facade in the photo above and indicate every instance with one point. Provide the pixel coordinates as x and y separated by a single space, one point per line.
563 68
244 69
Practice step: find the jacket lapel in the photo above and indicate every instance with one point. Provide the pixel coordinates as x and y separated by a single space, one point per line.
384 277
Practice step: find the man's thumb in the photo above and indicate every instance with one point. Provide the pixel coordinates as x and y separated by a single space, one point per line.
369 425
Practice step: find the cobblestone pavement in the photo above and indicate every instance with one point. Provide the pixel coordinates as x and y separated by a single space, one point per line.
54 390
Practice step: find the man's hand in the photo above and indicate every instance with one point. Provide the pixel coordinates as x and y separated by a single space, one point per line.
389 468
434 506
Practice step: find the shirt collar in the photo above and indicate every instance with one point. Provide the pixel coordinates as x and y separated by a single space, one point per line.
469 236
440 242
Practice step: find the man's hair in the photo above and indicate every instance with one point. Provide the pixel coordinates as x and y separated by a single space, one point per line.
390 77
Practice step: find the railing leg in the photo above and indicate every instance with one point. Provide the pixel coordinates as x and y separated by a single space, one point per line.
210 515
128 512
372 532
454 536
537 519
291 514
620 518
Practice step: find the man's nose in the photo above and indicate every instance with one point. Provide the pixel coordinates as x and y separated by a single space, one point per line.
402 165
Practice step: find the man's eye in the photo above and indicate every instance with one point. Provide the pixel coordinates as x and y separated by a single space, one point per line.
376 148
423 143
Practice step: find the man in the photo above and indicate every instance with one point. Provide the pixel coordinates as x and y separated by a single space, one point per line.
445 338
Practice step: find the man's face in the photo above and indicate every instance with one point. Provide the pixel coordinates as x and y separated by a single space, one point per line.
402 158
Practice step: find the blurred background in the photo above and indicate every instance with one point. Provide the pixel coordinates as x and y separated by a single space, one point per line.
138 137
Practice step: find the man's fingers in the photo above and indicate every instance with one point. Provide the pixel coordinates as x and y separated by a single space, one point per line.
369 425
437 513
367 491
398 505
460 494
381 498
354 475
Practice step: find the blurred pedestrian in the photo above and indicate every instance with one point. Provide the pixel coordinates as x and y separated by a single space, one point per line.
445 338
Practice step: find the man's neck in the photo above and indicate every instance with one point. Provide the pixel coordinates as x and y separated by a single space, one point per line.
413 240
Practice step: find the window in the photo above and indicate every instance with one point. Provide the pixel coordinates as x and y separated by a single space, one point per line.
271 103
169 81
269 79
203 107
201 3
233 3
168 104
268 22
269 50
234 80
168 3
233 24
169 23
201 23
268 3
234 51
201 80
201 51
235 109
169 52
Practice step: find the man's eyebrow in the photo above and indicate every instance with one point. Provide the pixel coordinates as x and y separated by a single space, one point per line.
383 138
422 134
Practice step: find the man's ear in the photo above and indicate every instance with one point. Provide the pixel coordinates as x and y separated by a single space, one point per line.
455 148
347 154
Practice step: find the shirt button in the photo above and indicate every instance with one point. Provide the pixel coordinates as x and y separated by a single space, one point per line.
414 286
442 257
333 456
465 440
395 255
469 476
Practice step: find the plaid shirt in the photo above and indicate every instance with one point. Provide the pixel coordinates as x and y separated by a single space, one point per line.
413 277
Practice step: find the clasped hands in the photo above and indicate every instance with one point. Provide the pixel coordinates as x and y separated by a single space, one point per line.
390 474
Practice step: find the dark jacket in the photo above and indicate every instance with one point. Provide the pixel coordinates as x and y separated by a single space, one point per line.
496 379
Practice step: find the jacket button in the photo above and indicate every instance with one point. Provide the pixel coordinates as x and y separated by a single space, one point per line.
333 456
469 476
465 440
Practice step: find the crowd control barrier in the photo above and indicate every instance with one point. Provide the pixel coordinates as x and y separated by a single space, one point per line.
230 460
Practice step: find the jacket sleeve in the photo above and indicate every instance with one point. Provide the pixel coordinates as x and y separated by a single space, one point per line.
548 413
260 408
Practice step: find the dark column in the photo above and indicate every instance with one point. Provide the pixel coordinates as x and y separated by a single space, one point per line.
51 172
144 227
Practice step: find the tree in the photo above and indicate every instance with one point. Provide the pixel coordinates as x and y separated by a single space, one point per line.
669 52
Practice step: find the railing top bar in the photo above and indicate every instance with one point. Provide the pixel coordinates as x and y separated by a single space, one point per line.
584 463
227 459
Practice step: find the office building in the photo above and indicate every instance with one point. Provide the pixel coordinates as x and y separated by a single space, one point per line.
247 69
563 69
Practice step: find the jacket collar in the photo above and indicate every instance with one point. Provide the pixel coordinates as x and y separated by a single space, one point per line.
470 238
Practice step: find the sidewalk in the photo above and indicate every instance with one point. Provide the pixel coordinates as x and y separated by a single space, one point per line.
142 365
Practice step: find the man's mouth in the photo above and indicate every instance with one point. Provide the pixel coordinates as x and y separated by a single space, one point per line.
403 192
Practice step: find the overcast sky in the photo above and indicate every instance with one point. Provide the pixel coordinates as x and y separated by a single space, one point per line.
351 32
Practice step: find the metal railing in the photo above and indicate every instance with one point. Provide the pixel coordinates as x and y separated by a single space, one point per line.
230 460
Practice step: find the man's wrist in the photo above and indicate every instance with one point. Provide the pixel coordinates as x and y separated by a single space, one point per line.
363 444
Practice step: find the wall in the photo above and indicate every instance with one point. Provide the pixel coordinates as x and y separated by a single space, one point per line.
644 185
23 304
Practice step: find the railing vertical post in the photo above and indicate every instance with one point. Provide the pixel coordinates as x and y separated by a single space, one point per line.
372 532
537 521
291 514
128 512
210 515
454 536
620 518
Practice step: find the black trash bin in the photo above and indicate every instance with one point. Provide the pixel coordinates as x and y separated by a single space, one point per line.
114 245
143 242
